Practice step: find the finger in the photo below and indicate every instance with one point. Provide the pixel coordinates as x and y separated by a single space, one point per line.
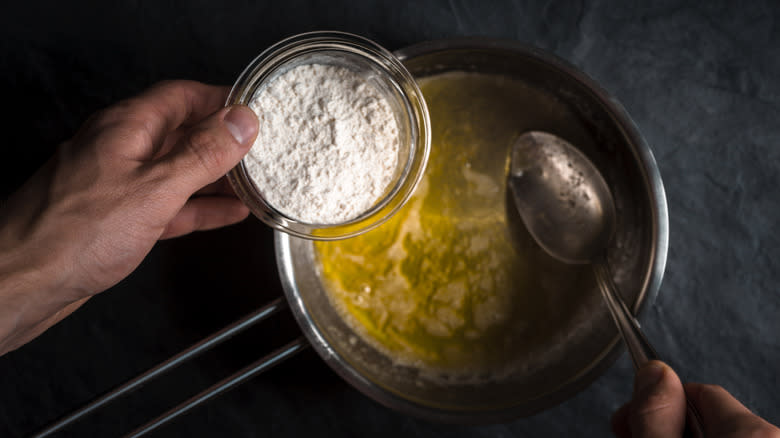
205 213
620 426
658 407
174 136
713 400
210 149
221 187
724 415
168 105
180 103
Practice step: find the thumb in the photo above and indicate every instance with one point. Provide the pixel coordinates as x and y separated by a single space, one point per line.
658 406
213 146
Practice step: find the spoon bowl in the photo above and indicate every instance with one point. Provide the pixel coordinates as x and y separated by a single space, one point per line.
561 197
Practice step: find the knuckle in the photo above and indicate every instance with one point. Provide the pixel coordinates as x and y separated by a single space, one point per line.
174 87
127 136
111 115
125 111
168 86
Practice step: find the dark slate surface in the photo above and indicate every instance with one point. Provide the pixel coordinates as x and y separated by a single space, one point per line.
701 81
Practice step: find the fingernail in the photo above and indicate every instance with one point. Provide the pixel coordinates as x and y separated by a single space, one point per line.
242 123
647 377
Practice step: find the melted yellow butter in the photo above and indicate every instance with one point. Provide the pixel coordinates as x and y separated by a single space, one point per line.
444 283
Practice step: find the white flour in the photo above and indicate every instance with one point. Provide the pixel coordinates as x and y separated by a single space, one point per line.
327 146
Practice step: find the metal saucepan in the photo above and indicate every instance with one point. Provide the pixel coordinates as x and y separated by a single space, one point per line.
586 342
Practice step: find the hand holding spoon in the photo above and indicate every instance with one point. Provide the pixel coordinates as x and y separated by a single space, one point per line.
568 209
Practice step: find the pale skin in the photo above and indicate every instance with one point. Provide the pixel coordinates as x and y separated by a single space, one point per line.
151 168
145 169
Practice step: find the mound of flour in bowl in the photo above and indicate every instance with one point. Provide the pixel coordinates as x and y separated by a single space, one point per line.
327 147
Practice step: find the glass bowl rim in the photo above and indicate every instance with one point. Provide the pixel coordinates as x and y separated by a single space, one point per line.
415 109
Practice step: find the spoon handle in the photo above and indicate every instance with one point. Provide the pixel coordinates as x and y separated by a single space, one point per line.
638 346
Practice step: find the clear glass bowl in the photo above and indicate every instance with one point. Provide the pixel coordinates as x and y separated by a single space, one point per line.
380 68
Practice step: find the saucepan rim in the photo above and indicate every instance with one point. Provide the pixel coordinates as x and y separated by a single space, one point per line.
650 285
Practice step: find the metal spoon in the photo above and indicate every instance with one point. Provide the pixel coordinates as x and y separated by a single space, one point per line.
568 209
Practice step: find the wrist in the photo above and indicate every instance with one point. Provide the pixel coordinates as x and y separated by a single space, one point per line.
34 269
32 295
26 271
19 287
36 238
37 268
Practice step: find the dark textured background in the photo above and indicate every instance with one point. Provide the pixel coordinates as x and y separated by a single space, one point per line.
701 81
